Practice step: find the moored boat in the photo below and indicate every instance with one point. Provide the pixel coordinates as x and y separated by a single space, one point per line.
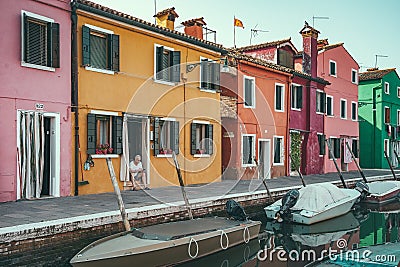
383 192
313 203
168 243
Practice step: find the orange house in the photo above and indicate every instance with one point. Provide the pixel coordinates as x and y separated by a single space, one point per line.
255 118
143 89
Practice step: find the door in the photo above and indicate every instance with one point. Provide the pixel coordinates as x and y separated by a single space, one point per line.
264 158
47 158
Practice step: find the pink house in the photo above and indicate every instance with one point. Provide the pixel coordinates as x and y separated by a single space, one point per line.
35 99
336 65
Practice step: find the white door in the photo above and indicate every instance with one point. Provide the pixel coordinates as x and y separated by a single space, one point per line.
264 158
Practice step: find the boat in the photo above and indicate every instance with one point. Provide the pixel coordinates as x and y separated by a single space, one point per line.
168 243
383 192
313 203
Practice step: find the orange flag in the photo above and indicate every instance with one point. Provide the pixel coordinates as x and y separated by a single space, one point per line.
238 23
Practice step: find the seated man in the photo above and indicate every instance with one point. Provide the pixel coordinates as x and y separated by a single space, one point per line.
137 173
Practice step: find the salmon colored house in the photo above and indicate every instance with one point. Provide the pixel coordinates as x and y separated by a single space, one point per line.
255 97
35 99
143 89
336 65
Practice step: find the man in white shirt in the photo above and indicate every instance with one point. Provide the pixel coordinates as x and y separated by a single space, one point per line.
137 173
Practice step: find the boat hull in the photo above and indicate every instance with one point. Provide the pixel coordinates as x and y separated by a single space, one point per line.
161 253
308 218
383 192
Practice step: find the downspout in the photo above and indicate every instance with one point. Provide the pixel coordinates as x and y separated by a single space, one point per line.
289 82
74 90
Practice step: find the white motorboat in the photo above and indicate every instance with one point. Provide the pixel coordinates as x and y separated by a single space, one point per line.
313 203
383 192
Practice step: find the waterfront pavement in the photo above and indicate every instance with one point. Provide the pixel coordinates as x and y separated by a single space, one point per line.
38 212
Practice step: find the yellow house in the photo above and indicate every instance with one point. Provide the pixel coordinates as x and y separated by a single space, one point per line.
142 89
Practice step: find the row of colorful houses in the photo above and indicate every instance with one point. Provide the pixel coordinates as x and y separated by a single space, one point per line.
82 82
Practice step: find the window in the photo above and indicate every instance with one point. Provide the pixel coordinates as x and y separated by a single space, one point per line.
167 64
321 96
386 146
398 117
249 92
354 76
329 105
354 111
387 88
100 49
201 138
343 108
209 74
354 148
285 58
332 68
335 147
278 150
248 149
387 115
40 42
321 141
104 133
279 97
297 96
166 136
398 92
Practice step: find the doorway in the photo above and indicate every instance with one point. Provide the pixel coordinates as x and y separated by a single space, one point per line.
264 158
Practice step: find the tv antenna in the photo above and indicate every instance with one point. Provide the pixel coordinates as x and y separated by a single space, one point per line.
314 18
376 59
254 32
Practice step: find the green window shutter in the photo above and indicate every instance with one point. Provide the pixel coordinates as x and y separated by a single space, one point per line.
337 148
292 98
278 103
175 136
53 45
193 138
215 75
209 139
159 60
323 103
156 138
300 97
114 52
204 70
176 66
91 133
25 37
354 148
321 140
85 46
116 140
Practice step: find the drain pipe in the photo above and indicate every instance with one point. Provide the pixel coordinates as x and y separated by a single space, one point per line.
74 90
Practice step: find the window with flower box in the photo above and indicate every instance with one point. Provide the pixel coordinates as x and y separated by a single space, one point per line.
201 138
104 133
166 136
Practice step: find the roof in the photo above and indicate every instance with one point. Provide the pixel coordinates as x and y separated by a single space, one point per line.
192 22
170 10
265 45
374 74
328 47
126 18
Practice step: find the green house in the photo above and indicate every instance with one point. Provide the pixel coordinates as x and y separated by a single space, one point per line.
379 117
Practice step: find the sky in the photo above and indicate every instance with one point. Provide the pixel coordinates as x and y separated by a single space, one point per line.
366 27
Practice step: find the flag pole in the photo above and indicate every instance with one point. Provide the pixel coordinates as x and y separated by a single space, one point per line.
234 32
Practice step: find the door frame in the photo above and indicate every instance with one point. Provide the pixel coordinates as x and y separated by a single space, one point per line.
267 141
55 160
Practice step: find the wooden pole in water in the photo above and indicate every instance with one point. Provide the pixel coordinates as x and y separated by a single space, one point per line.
118 193
334 161
264 181
390 165
298 171
182 185
356 162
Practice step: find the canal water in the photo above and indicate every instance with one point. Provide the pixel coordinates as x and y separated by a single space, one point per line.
299 245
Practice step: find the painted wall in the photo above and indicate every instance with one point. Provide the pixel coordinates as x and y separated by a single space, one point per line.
341 87
133 90
373 134
262 121
23 87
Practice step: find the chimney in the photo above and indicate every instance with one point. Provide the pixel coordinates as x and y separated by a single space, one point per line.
194 27
166 18
310 52
372 69
322 43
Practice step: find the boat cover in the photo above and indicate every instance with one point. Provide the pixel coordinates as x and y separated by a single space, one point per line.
179 229
383 187
316 197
